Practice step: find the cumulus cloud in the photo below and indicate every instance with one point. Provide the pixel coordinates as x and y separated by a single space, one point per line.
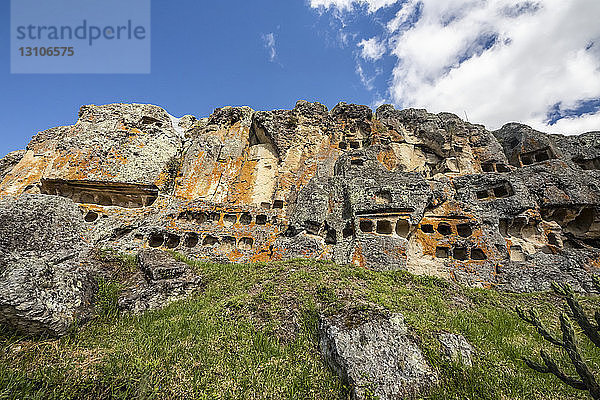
372 49
497 61
270 45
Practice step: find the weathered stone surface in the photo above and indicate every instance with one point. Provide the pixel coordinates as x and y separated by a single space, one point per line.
122 143
395 189
376 357
44 284
457 348
162 280
9 161
157 265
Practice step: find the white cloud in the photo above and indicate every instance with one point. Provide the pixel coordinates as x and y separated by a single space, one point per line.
498 61
402 15
348 5
537 60
367 81
367 74
378 100
372 49
585 123
344 39
270 45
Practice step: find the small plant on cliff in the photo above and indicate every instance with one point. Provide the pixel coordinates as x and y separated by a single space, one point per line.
586 380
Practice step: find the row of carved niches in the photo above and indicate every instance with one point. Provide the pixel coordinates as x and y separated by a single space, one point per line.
102 193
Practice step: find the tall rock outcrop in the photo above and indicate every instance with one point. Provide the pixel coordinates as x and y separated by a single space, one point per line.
395 189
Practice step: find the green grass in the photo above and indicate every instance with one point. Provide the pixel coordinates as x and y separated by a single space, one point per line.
251 334
106 302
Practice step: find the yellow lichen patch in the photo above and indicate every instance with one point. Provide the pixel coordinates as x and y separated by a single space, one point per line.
78 166
379 131
427 242
216 180
594 263
162 178
261 256
193 173
238 181
235 255
91 163
238 131
208 179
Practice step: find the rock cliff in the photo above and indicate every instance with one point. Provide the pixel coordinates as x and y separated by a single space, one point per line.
428 193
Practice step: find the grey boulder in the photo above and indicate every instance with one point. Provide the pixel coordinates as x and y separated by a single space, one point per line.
375 357
456 348
45 287
161 280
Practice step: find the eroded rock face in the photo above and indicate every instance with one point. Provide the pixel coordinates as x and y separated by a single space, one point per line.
44 284
119 143
9 161
395 189
376 357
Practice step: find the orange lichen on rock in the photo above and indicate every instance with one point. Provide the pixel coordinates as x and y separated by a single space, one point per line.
394 189
388 159
357 257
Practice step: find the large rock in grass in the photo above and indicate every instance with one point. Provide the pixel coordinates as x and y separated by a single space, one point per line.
161 280
375 356
456 348
44 285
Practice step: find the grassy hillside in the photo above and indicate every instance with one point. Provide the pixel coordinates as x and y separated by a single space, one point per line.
251 334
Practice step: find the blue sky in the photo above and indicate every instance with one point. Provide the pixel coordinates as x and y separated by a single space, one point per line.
536 62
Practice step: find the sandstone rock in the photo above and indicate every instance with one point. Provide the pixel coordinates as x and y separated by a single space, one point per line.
428 193
116 143
376 357
162 280
45 287
457 348
9 161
